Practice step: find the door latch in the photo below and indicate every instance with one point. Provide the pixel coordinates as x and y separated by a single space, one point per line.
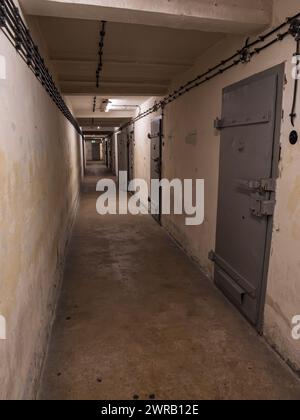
261 208
221 123
153 136
212 256
268 185
262 185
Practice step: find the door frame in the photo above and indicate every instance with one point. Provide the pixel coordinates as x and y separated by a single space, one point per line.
83 154
94 146
279 71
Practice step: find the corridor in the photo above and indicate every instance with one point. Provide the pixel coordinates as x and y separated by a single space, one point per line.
137 319
189 289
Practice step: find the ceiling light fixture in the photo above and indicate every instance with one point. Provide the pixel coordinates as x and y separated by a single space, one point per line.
105 105
126 107
109 106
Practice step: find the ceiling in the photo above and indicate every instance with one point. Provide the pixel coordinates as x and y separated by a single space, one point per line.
138 59
139 62
121 110
81 104
147 44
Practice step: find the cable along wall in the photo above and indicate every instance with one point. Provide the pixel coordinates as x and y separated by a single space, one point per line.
14 28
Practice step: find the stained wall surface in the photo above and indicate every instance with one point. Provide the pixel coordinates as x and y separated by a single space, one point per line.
40 172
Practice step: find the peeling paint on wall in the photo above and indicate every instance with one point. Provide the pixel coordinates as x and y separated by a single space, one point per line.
191 138
40 172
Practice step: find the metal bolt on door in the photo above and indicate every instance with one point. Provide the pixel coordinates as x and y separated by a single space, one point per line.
249 152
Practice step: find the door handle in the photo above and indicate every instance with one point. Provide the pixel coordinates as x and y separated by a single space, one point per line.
262 208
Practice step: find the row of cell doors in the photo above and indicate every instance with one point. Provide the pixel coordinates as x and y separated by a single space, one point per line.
249 152
126 150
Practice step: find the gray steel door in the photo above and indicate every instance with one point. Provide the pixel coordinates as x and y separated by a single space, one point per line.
131 145
155 165
249 153
109 148
113 155
95 151
122 152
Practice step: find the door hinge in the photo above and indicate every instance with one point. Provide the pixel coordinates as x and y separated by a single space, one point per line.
268 184
218 123
262 208
212 256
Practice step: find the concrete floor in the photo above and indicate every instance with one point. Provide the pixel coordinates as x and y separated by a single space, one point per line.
137 318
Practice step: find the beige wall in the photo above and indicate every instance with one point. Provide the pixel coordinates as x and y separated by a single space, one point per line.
193 115
88 150
40 171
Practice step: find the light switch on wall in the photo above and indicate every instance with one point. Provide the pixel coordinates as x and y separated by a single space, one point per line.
2 68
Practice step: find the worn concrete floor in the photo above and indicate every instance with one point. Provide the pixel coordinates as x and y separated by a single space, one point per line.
137 318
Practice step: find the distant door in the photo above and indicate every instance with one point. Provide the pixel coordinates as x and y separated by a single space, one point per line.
130 151
95 151
102 150
107 154
122 152
156 161
113 155
249 154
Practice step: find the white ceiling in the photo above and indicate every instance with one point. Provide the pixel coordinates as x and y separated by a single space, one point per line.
82 106
226 16
81 103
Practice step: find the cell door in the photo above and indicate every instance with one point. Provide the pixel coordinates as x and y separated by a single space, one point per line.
249 153
122 152
130 150
109 143
96 151
106 154
155 164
